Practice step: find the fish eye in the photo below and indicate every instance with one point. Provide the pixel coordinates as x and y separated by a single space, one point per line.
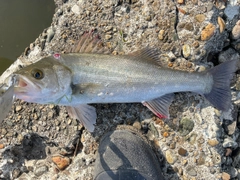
37 74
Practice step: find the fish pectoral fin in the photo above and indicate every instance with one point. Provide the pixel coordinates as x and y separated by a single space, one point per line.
84 113
160 106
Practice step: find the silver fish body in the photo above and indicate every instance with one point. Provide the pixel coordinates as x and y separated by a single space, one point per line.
77 79
121 79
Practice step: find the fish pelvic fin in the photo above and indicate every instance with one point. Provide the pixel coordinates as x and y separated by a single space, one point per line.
220 94
160 106
86 114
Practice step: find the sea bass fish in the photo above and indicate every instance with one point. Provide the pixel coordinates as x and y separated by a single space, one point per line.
77 79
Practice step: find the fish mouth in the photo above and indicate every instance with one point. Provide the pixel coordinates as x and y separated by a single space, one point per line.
24 85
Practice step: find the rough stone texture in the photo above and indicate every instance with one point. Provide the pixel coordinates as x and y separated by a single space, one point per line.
33 134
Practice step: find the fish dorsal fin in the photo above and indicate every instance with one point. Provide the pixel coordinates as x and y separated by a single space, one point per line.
160 106
147 55
89 43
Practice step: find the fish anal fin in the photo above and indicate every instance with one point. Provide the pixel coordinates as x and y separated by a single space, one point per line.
85 114
160 106
147 55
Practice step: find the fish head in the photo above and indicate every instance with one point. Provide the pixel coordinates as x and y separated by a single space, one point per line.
43 82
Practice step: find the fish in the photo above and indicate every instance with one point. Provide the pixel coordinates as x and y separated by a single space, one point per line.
6 101
77 79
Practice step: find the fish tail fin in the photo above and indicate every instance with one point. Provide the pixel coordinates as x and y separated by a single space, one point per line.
220 95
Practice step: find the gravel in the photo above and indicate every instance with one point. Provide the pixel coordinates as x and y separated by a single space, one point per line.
198 142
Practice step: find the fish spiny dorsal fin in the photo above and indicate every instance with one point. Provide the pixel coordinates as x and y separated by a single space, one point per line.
89 43
147 55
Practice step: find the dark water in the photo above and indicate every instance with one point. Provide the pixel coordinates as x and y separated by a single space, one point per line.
21 22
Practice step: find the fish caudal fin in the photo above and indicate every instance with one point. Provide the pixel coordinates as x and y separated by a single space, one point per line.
160 106
84 113
220 95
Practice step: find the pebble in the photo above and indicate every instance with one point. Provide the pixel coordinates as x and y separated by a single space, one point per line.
186 50
61 162
108 36
180 1
221 24
76 9
225 176
231 128
50 34
200 17
170 157
2 146
207 32
201 159
182 152
186 126
213 142
137 125
161 34
40 170
191 171
229 143
16 173
184 162
236 30
18 108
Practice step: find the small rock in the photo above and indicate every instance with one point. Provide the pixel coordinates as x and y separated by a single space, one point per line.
161 34
76 9
180 1
189 26
137 125
50 34
182 152
186 126
40 170
236 30
225 176
195 44
184 162
192 138
172 145
221 24
165 134
213 142
61 162
201 159
207 32
108 36
229 143
186 50
200 17
16 173
18 108
231 128
2 146
228 152
170 157
191 171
